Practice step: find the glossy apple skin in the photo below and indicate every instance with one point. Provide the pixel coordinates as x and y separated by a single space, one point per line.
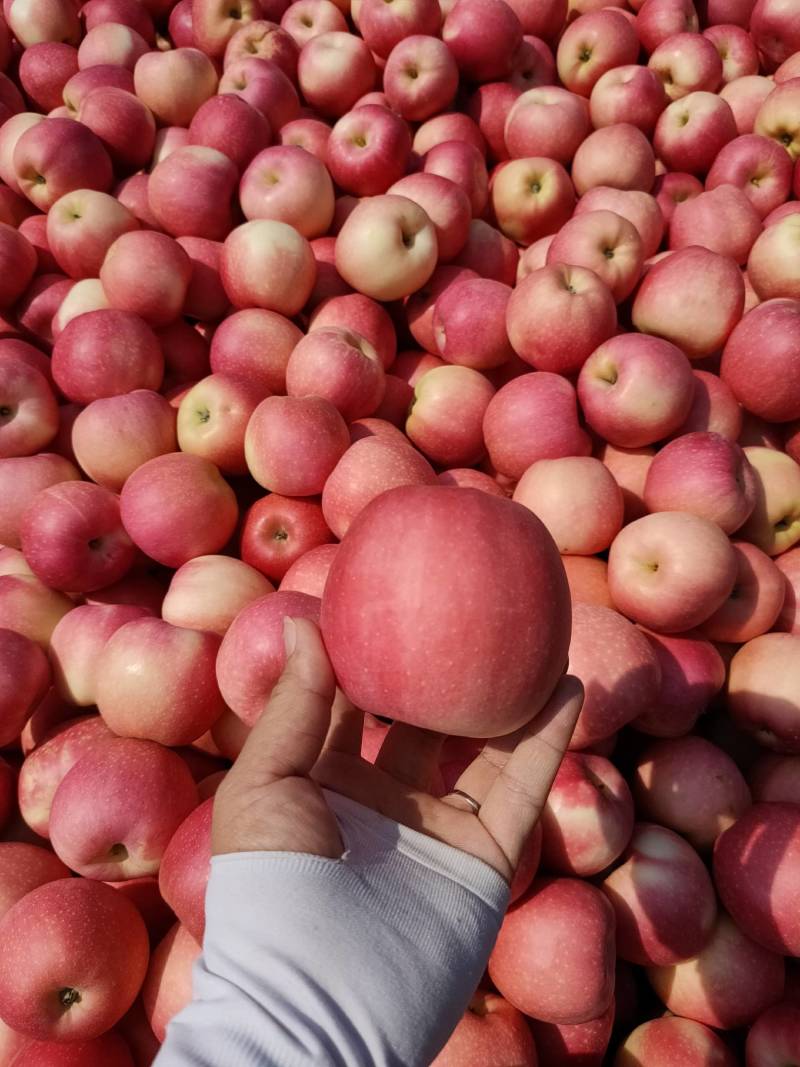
655 553
167 987
156 681
176 507
490 1032
727 985
675 1041
185 867
116 809
588 818
453 702
774 1038
756 864
534 934
88 923
278 531
663 899
252 655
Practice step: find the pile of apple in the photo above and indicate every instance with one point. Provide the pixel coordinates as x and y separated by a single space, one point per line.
262 263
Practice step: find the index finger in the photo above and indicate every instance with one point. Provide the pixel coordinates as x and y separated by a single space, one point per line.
515 800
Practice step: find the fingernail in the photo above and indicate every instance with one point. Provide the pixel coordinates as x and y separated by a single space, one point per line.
289 635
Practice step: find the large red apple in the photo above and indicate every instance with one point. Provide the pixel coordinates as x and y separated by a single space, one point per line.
491 1033
444 629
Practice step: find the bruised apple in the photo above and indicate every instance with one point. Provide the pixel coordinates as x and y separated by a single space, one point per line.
442 629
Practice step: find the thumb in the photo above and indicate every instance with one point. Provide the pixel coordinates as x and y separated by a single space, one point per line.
287 739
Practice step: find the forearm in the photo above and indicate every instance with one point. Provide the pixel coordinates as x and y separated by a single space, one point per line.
366 960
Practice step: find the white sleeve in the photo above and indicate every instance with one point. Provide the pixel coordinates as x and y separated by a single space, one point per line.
364 961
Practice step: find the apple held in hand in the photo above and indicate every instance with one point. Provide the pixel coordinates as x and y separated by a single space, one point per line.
467 603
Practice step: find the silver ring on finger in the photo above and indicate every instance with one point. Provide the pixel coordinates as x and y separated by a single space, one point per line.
473 803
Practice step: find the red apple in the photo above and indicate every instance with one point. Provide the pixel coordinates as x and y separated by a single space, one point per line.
671 1040
460 708
420 78
278 530
57 156
774 1038
28 410
490 1032
309 573
185 867
362 315
72 975
565 1044
549 121
334 70
564 927
114 812
446 415
167 987
174 84
268 264
603 242
102 1051
252 655
147 273
208 592
256 344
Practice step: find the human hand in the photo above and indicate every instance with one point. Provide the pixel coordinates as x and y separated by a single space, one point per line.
309 737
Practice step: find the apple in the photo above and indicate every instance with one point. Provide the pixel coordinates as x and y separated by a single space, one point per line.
111 43
367 469
774 1038
756 601
114 436
57 156
604 242
639 208
212 178
627 93
263 39
25 867
588 818
115 810
420 78
491 1032
309 573
230 125
174 84
251 657
278 530
692 673
29 607
662 897
460 708
722 220
745 96
364 316
531 198
773 779
147 273
558 315
675 188
618 156
693 298
593 44
288 184
674 1040
761 694
789 566
530 418
213 417
176 507
185 867
309 133
657 20
137 700
305 19
756 869
334 70
533 940
577 499
549 121
89 958
727 985
445 419
579 1043
617 385
692 130
687 63
387 247
446 205
18 260
704 474
469 321
72 537
777 117
691 786
208 592
774 524
615 689
770 266
267 263
284 429
108 1048
255 343
489 253
482 36
125 12
81 226
84 296
28 410
688 559
77 642
338 365
24 680
167 987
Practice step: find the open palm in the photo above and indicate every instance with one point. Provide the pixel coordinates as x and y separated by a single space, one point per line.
309 737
